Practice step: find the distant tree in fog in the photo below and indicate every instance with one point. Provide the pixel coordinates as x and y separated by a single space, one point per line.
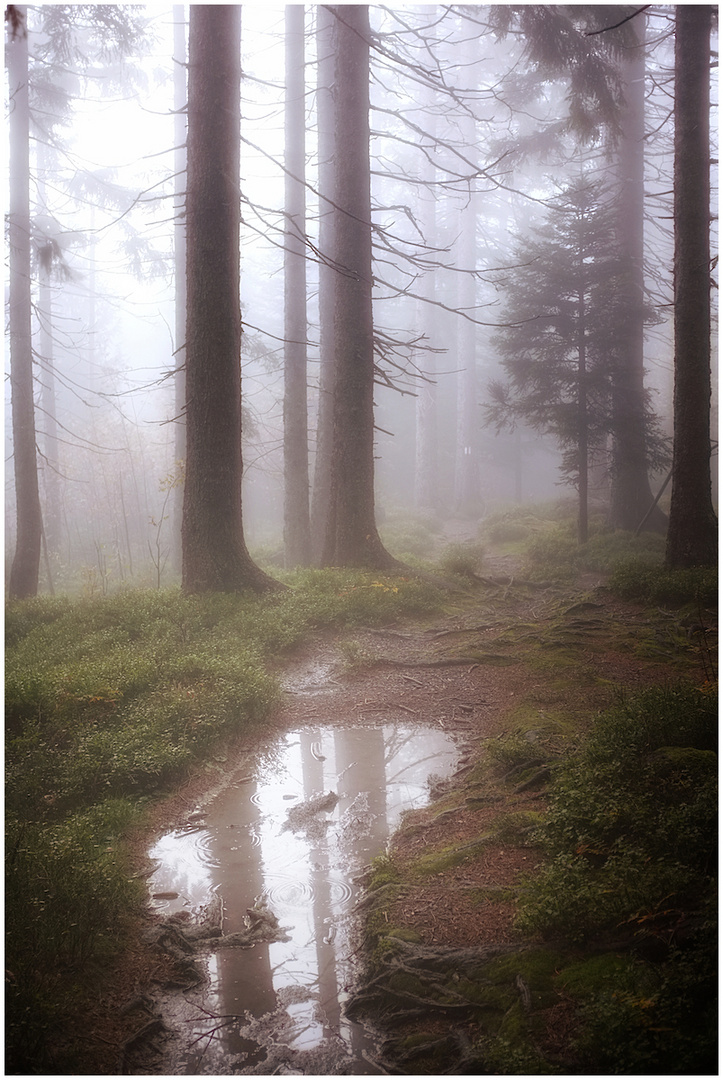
297 529
215 557
326 35
180 98
71 37
631 495
599 50
692 531
559 349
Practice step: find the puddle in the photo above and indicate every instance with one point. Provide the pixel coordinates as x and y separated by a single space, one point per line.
292 834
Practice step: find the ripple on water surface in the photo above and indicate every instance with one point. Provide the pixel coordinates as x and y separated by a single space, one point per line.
295 832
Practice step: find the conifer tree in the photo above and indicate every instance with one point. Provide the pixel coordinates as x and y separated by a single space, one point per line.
215 557
351 537
693 530
558 349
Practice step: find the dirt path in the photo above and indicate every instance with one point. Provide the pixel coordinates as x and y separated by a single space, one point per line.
508 658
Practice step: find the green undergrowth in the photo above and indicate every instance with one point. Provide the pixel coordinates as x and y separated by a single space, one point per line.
631 822
638 579
410 537
630 843
108 702
616 925
554 552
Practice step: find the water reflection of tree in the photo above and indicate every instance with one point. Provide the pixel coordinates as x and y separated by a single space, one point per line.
361 765
313 780
245 981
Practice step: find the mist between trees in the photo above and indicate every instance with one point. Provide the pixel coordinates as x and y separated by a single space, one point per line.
278 275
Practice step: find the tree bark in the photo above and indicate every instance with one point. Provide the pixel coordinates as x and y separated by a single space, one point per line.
180 97
583 433
215 557
426 480
50 464
326 42
24 572
692 530
297 528
468 501
351 536
631 494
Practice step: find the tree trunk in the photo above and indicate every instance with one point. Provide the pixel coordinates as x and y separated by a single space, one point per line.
426 478
50 421
692 531
26 562
180 97
467 467
326 42
630 494
582 420
351 537
215 557
50 464
468 502
297 529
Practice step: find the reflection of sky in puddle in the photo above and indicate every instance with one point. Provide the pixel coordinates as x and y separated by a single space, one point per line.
244 849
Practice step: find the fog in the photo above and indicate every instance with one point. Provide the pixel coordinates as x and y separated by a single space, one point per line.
469 151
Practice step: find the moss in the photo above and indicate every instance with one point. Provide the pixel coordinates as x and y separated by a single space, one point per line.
403 933
519 826
507 1058
670 762
514 1024
537 967
446 858
491 895
384 872
404 983
591 975
490 996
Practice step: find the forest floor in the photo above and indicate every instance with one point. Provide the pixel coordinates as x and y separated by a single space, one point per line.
507 660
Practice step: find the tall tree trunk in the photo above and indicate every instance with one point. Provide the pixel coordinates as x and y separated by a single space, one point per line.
426 481
50 420
26 562
326 43
215 557
297 529
582 421
630 492
468 502
351 537
692 530
467 473
51 507
180 97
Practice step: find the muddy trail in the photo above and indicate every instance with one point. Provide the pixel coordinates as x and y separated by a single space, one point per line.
509 659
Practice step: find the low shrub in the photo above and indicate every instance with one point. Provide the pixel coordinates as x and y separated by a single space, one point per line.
410 535
462 560
630 838
641 579
631 820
